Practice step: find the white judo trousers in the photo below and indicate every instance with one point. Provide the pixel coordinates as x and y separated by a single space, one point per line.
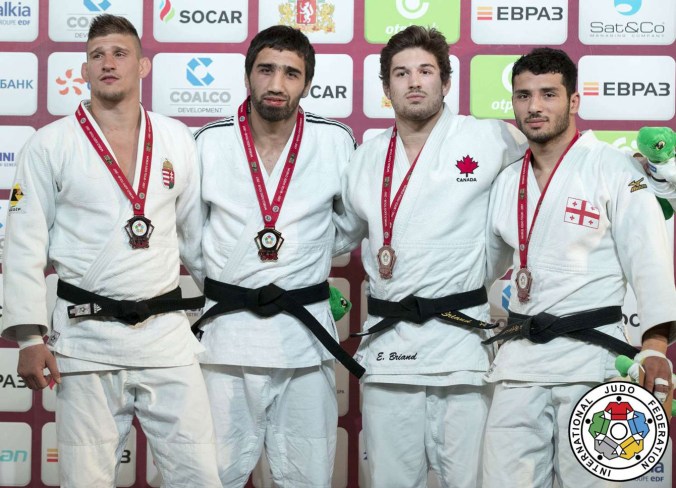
94 412
293 411
527 434
410 429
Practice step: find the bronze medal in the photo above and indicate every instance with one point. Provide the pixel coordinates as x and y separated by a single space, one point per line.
139 230
523 280
268 241
386 260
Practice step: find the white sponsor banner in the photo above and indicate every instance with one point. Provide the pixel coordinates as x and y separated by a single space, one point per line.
19 20
198 85
15 454
627 22
18 83
626 87
65 85
12 139
378 106
519 21
331 92
200 20
69 19
323 21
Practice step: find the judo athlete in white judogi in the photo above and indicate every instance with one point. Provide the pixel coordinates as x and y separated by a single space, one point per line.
424 400
112 215
577 222
271 179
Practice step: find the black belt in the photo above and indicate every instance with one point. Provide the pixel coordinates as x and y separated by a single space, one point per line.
90 304
544 327
418 310
270 300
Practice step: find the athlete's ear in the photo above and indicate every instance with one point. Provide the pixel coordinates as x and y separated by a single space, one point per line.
83 72
144 67
574 103
386 90
246 83
306 90
446 87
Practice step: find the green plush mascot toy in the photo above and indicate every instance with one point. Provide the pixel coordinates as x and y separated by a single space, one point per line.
658 144
338 303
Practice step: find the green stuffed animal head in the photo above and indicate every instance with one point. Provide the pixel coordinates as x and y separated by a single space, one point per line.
338 303
657 143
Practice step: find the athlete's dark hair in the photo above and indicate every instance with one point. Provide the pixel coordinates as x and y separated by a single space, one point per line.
431 40
282 38
106 24
545 60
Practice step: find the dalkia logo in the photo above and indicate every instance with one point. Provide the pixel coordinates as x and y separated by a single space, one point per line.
69 82
11 9
618 431
466 165
308 15
167 11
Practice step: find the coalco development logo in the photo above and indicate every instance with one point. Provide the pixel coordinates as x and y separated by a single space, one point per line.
618 431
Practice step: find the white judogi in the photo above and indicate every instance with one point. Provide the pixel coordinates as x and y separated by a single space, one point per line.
439 242
72 215
577 265
262 346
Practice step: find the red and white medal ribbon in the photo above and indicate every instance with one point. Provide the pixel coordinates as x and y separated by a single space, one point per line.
269 240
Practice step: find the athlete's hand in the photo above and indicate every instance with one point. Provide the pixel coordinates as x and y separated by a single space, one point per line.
656 367
32 362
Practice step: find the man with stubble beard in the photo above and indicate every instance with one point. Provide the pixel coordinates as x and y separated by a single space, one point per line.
271 180
419 192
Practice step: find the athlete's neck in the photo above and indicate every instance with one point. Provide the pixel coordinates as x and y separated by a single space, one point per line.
270 138
545 155
414 133
120 117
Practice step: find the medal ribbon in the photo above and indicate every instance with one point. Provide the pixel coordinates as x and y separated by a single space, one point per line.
522 202
269 213
389 212
138 200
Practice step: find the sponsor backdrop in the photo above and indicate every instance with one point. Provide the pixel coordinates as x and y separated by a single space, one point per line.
625 54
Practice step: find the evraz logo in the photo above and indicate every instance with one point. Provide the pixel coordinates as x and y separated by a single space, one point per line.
92 6
627 7
167 11
412 9
618 431
196 72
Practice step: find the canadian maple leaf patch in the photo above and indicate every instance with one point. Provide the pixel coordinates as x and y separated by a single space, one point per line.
467 165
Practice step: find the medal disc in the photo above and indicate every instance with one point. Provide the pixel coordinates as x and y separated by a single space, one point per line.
139 230
386 260
523 281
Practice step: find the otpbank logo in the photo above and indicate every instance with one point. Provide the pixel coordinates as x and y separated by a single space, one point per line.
323 21
627 87
19 20
69 19
627 22
491 86
519 21
384 18
200 20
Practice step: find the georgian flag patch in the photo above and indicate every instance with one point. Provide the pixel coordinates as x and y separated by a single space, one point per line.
168 174
581 212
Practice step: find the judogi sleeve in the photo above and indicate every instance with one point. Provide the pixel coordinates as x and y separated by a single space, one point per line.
190 214
515 141
643 248
350 230
498 252
26 251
